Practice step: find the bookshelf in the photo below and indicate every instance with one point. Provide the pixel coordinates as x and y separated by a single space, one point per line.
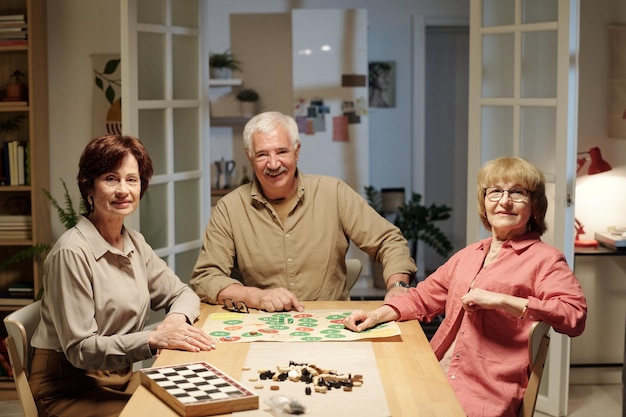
24 209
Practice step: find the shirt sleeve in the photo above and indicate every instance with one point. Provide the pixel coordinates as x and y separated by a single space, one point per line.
374 234
215 262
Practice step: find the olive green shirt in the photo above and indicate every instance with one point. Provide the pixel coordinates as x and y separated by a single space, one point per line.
306 254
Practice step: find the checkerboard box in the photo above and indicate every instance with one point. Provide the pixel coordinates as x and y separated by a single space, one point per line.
198 389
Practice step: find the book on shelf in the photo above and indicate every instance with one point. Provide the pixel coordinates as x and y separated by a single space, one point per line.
12 18
13 42
14 163
5 365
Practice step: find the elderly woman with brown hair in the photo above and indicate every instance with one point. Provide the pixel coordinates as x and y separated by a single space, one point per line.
491 292
100 282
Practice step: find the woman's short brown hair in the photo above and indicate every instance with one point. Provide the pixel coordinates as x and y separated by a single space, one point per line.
519 171
105 154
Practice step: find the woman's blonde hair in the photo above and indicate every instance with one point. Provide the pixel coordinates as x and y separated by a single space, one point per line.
526 175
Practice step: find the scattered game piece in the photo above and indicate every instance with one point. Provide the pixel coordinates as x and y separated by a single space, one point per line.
274 387
258 386
198 389
322 379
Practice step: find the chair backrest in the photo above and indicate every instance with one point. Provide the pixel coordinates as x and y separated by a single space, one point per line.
20 326
353 267
538 342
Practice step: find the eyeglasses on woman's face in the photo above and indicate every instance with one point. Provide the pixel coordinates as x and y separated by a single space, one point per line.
517 195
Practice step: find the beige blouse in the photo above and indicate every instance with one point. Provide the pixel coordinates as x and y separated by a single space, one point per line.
97 299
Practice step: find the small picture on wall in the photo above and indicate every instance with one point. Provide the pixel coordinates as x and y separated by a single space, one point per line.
382 84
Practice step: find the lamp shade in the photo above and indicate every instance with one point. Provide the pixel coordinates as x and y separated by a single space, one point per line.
597 164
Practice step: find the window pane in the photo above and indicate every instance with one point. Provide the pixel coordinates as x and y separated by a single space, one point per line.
186 147
535 11
152 135
185 262
539 64
153 214
497 133
151 11
539 137
150 47
498 66
498 12
187 210
184 13
185 67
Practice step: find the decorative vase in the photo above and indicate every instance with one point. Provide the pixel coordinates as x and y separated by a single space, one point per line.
221 73
248 108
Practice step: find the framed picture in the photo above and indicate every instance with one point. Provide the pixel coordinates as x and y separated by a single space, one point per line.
382 84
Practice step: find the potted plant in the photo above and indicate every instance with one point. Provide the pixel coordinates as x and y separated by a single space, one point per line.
16 89
248 98
416 222
223 64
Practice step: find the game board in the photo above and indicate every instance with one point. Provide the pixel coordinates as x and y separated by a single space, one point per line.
198 389
292 326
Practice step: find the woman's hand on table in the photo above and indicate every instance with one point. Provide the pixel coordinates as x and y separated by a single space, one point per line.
175 333
360 320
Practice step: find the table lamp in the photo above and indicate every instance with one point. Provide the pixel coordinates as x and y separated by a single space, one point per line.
596 166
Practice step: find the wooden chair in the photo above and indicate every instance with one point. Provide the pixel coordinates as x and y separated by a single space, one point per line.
538 342
353 267
20 326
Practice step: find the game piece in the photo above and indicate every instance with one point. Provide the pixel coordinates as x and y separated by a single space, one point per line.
274 387
198 389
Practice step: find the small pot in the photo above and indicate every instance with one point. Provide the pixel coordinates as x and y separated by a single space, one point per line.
15 91
222 73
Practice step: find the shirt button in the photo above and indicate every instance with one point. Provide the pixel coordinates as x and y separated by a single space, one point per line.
292 284
286 234
453 377
289 260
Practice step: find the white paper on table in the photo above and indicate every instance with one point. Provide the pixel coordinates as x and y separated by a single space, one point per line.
343 357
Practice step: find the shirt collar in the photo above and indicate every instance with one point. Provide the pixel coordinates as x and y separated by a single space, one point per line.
518 244
257 195
97 244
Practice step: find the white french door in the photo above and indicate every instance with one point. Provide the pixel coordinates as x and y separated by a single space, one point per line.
523 102
164 96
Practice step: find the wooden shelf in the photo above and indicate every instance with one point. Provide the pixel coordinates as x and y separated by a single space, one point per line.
226 82
228 121
31 59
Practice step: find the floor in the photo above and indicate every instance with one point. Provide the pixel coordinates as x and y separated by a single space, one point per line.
585 401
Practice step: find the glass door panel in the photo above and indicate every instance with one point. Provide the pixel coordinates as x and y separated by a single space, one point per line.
497 122
187 210
498 69
152 128
537 11
186 149
151 11
539 64
154 216
150 61
498 12
185 67
538 135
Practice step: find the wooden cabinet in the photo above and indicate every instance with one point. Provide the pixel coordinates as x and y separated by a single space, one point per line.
24 209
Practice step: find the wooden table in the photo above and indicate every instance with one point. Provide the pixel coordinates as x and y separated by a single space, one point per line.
413 381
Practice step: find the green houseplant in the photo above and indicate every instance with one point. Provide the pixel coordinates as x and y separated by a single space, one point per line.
417 221
248 98
16 89
223 64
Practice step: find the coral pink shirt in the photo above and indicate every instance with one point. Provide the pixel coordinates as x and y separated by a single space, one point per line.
489 366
